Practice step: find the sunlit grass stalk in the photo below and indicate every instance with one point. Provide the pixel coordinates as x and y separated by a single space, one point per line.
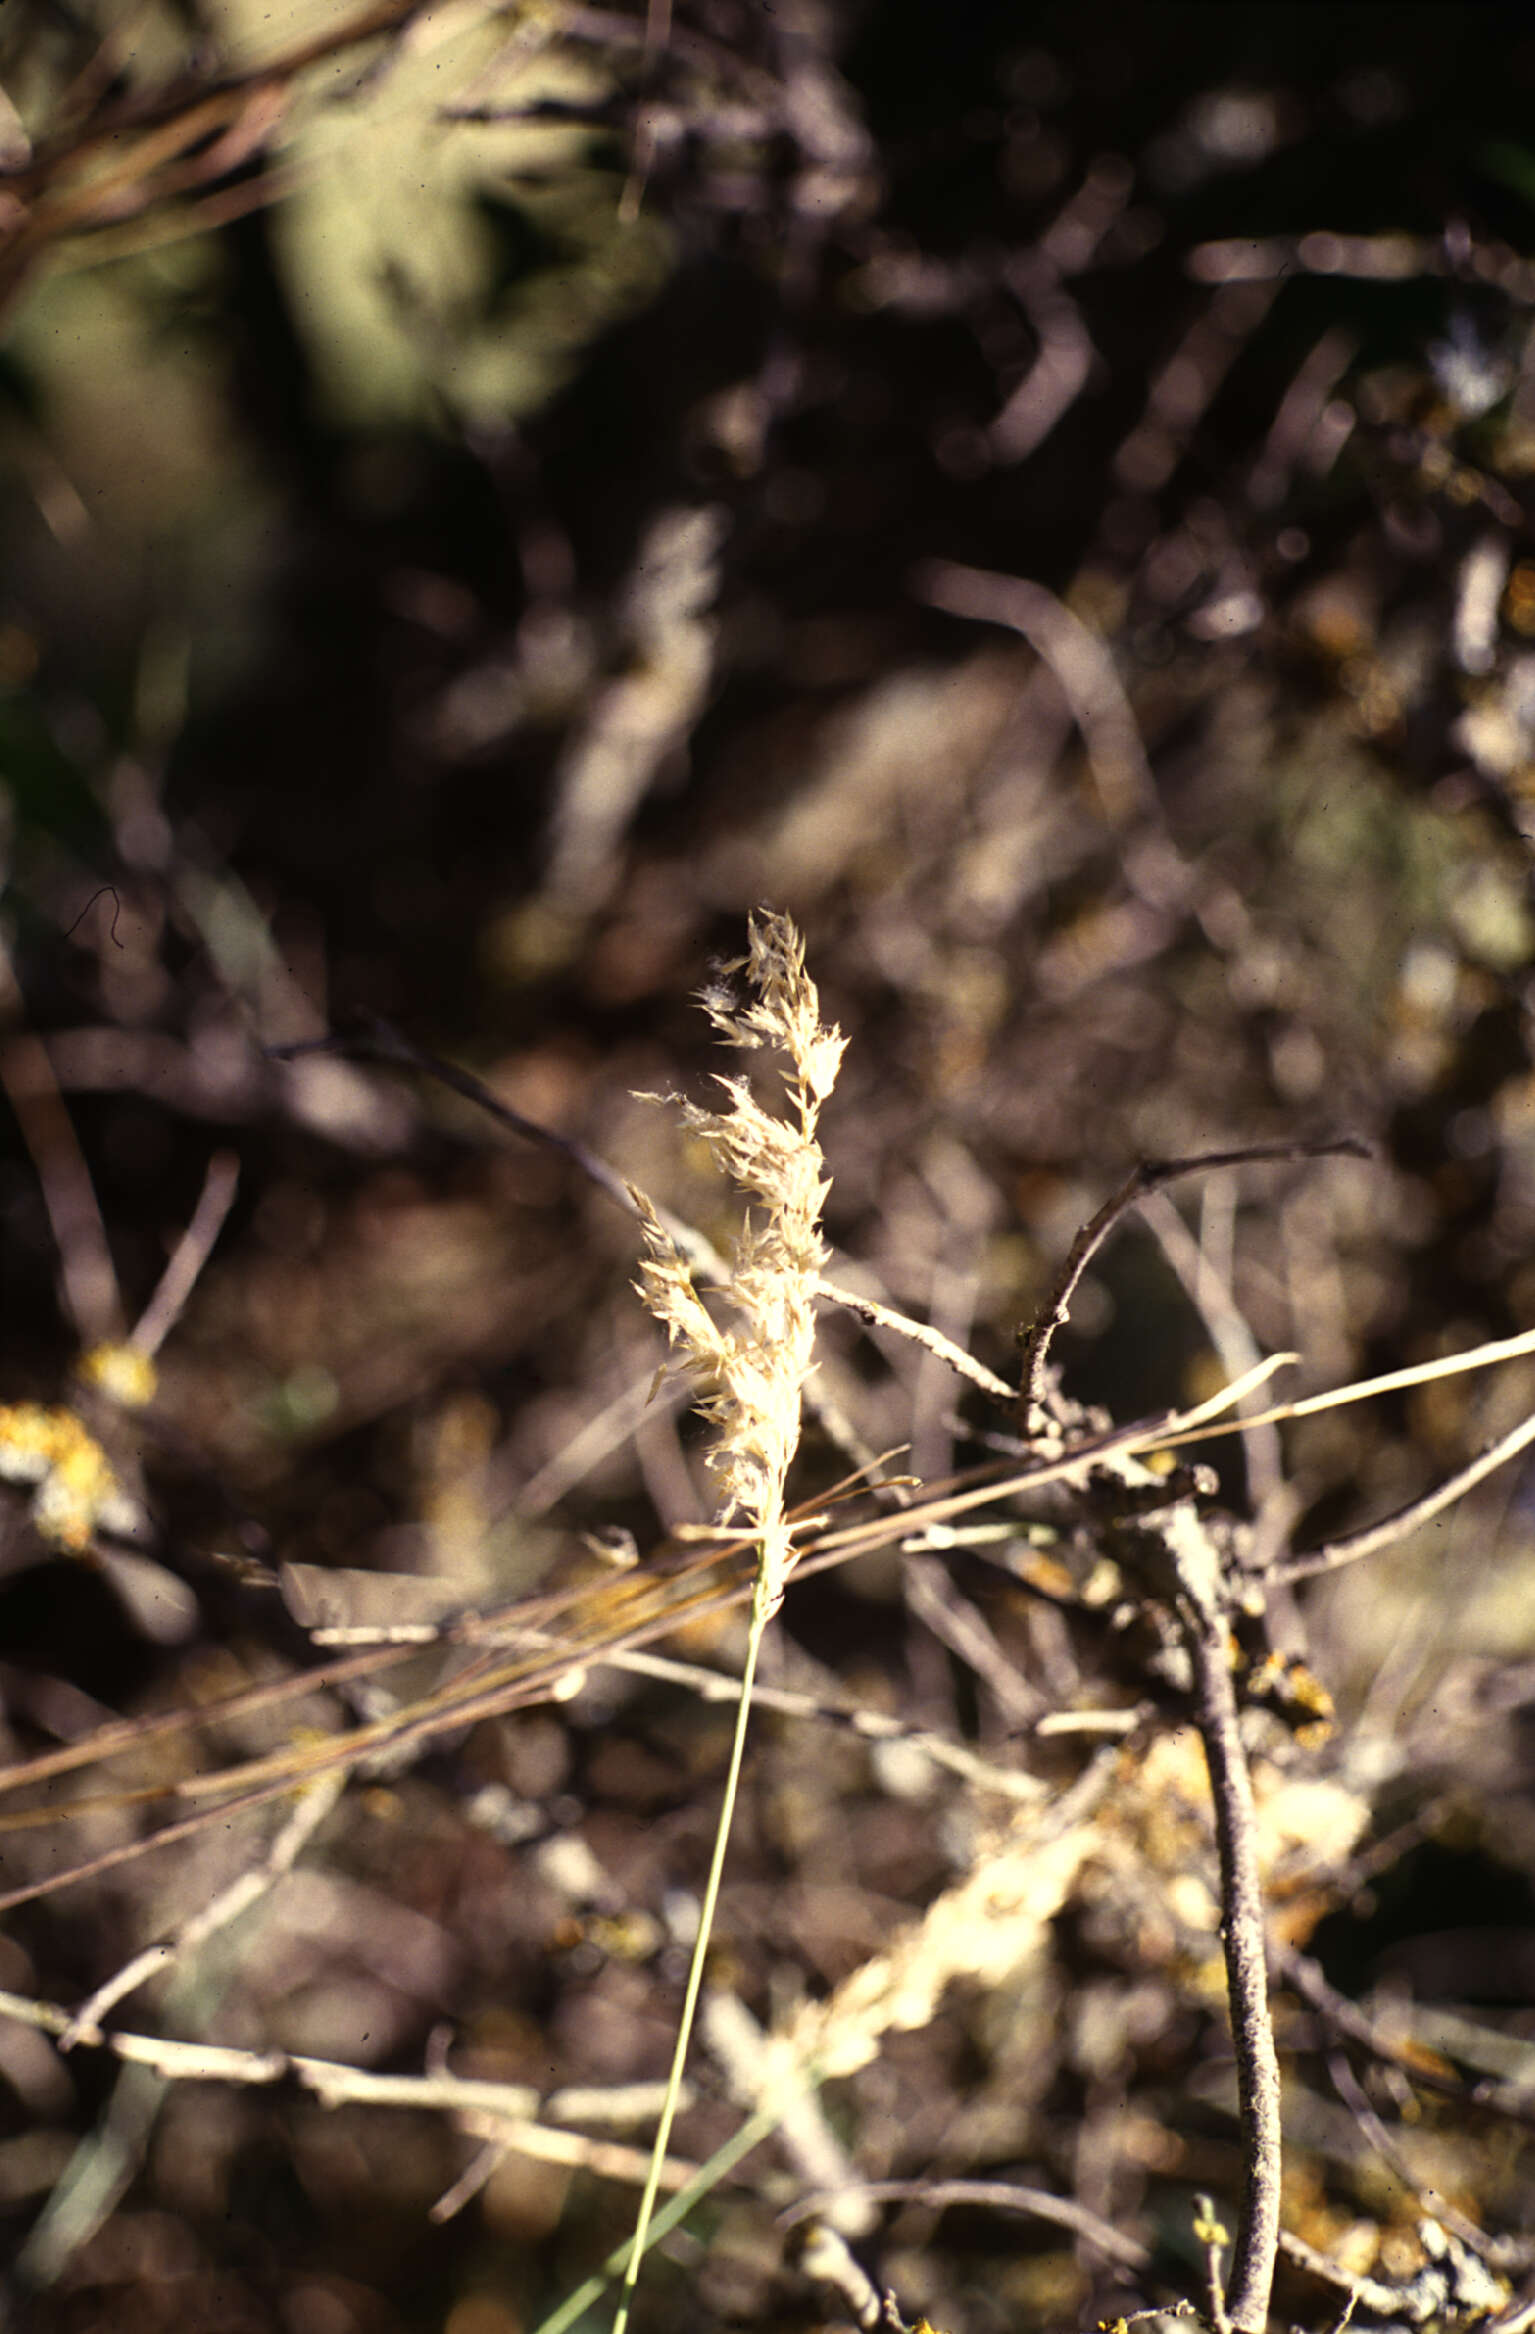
751 1367
573 2309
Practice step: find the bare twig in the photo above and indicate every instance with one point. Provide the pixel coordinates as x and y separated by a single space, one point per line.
826 2256
1500 2253
591 1442
106 2160
1151 1175
1201 1611
819 2156
381 1042
993 2196
1451 2287
1229 1333
1061 367
315 1804
1348 1549
511 2107
1079 662
1363 2292
191 1253
1448 1365
1212 2236
713 1685
604 2159
481 2168
874 1725
1514 2102
877 1316
91 1293
327 2080
935 1601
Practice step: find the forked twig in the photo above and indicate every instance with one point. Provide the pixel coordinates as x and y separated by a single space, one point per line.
314 1805
1151 1175
1182 1561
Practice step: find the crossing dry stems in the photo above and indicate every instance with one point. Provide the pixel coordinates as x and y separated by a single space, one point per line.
748 1347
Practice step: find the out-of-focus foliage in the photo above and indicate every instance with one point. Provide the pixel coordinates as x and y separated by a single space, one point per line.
448 226
451 233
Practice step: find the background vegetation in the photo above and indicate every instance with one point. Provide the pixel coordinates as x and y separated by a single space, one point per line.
489 497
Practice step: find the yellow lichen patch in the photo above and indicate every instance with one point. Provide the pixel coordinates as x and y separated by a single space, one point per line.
121 1372
1307 1827
76 1488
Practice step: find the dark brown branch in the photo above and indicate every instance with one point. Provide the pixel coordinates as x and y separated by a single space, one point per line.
1151 1175
1206 1634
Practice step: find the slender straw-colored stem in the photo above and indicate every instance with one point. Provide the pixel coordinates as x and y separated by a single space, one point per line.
761 1614
753 2131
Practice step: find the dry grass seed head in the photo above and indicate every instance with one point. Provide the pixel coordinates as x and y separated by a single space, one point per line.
751 1367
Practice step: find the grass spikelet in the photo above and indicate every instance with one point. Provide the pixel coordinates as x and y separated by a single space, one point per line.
751 1367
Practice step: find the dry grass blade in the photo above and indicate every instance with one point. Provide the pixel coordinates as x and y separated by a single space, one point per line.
625 1613
556 1635
1449 1365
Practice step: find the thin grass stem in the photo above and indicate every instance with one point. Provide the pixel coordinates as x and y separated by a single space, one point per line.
753 2131
761 1613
